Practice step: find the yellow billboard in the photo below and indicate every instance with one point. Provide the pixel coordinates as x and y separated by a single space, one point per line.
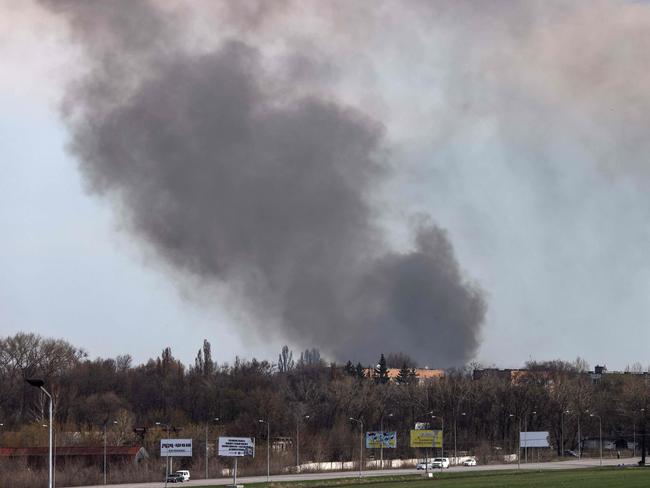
426 438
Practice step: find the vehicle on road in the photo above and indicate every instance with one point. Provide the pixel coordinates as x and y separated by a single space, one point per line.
175 478
185 473
440 463
470 462
571 454
428 465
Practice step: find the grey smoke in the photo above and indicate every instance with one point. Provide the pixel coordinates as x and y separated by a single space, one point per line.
231 178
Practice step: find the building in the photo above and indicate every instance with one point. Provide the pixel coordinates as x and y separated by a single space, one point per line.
90 455
422 374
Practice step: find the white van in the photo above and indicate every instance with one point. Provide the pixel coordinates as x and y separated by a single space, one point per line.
184 473
440 463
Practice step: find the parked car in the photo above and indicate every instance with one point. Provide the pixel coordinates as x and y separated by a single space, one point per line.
428 466
470 462
185 473
440 463
175 478
571 454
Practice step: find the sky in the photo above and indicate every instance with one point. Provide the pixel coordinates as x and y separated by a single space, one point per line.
520 131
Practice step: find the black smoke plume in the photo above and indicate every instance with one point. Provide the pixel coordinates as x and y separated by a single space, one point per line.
229 177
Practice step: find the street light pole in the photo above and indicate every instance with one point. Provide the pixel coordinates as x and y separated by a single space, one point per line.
360 443
167 457
642 410
381 440
442 437
37 383
526 431
298 418
105 441
511 415
579 439
455 451
268 448
600 434
207 451
562 431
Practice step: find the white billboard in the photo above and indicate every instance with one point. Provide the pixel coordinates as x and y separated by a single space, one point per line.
236 446
534 439
378 440
176 447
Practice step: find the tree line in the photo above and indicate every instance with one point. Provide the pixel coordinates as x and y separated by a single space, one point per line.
482 415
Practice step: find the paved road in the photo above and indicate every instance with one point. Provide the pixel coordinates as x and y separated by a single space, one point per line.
573 464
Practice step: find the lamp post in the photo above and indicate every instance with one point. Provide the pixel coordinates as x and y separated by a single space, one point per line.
381 440
298 418
167 458
562 431
455 451
38 383
360 443
526 431
579 439
268 448
642 410
207 444
442 437
105 441
600 434
512 415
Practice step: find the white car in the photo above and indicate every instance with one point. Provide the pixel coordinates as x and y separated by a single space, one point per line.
427 466
469 462
184 473
440 463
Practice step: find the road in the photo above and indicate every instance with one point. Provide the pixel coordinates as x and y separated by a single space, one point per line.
572 464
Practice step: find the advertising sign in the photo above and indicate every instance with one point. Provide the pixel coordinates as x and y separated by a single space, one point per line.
175 447
426 438
378 439
236 446
534 439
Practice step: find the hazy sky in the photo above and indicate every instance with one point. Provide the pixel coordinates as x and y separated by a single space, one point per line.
520 129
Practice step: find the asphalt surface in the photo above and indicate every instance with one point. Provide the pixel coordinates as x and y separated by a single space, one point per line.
571 464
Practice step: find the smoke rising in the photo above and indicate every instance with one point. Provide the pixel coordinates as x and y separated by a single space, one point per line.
234 176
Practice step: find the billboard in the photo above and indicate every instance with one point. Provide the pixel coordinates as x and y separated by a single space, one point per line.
176 447
236 446
378 439
426 438
534 439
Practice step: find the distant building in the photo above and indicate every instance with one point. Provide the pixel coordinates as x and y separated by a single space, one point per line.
422 374
90 455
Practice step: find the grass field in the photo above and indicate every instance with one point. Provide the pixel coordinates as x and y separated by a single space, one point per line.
578 478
